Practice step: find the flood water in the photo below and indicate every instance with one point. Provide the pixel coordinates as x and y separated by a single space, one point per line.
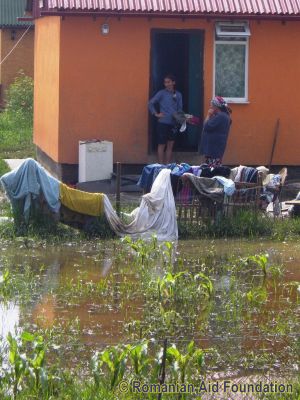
54 293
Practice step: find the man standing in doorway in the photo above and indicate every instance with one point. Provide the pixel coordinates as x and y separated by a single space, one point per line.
169 101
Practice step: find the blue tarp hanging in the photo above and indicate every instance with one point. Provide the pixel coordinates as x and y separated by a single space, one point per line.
27 183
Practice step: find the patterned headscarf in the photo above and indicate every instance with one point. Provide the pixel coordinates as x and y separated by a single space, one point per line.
219 102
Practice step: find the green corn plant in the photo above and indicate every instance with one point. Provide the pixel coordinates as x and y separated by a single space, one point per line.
276 271
5 284
156 366
257 296
180 362
167 284
37 361
261 261
18 363
25 364
96 364
170 319
138 355
4 379
168 253
205 284
114 359
142 250
146 251
154 242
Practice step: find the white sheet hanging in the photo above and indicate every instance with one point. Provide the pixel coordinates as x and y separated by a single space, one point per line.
155 215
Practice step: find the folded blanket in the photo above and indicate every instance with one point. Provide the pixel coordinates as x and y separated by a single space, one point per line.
207 187
81 202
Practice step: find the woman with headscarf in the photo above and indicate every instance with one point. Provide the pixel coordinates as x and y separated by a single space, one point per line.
215 132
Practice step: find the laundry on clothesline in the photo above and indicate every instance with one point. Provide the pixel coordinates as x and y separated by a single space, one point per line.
156 214
26 183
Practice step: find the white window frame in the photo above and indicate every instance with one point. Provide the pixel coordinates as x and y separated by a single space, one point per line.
245 42
244 24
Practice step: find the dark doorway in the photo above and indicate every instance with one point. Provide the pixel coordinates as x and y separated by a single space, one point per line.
179 52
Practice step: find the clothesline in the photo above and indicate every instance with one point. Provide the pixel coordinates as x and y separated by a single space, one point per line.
15 46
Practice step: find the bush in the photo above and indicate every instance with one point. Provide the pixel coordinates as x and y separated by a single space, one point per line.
16 121
19 106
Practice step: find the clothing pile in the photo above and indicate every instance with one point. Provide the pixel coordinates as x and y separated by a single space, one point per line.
149 174
244 174
212 188
181 120
271 191
31 183
151 171
223 180
271 186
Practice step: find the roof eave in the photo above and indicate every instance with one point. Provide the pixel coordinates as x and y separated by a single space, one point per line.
29 20
166 14
12 26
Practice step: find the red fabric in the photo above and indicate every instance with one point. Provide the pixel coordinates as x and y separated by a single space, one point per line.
194 120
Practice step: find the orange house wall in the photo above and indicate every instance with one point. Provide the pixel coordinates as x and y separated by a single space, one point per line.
105 84
104 88
46 85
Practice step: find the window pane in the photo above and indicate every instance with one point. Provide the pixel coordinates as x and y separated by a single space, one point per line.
230 70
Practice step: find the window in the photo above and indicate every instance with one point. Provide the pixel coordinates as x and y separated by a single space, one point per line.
229 29
231 61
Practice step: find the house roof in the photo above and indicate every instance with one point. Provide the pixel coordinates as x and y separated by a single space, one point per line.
10 10
241 8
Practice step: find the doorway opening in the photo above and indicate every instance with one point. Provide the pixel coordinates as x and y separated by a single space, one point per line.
179 52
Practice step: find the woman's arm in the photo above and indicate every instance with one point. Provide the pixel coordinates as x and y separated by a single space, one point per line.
214 123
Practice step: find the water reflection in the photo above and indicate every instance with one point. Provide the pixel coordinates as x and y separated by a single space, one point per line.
102 321
9 318
43 313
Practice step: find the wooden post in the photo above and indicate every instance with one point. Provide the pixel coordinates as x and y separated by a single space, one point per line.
162 374
274 143
118 188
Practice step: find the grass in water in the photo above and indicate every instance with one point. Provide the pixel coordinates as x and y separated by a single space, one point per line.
245 223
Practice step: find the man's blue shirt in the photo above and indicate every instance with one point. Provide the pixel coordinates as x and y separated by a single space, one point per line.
169 103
